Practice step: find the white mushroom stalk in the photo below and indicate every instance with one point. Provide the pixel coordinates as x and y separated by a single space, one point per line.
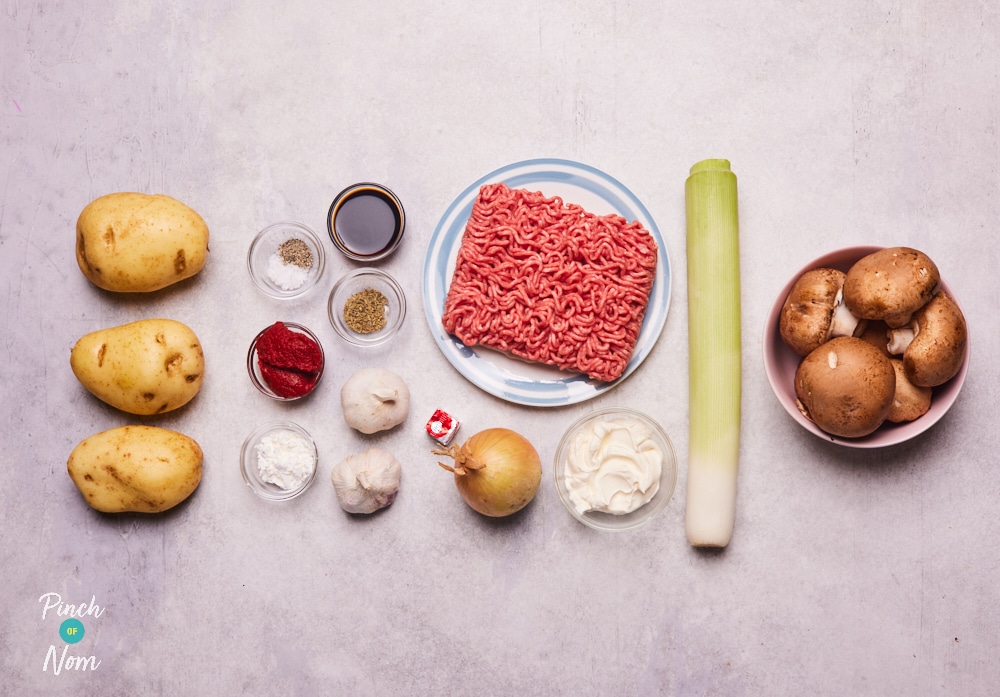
844 323
901 338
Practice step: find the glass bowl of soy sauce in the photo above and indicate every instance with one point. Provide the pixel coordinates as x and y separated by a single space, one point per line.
366 222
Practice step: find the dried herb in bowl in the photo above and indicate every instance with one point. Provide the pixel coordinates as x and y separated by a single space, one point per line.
365 311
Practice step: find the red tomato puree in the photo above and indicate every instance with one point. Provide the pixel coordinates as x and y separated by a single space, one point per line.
290 362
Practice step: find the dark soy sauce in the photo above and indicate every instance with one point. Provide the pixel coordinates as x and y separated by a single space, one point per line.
367 222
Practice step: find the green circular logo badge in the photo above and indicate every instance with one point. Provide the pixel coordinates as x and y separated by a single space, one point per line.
71 630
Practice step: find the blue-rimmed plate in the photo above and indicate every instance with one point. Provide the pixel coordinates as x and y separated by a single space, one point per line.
511 379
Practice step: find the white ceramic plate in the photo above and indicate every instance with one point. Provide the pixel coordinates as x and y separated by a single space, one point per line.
520 381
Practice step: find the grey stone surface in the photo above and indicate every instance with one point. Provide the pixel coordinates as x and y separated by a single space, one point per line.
851 572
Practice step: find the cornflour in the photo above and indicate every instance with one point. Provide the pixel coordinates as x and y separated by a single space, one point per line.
285 459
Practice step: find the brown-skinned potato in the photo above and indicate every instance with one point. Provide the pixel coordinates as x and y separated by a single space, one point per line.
144 469
137 243
146 367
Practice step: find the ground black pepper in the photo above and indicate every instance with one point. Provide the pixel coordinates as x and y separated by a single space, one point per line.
295 251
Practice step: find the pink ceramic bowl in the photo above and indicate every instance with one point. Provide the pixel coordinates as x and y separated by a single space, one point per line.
780 363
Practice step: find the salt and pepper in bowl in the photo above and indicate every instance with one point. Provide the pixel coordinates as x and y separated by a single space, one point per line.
286 260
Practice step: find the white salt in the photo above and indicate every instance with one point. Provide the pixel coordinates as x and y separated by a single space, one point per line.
285 276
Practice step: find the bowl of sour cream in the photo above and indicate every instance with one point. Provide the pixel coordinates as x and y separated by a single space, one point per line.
615 469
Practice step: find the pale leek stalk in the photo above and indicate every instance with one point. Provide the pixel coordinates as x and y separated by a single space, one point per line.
713 281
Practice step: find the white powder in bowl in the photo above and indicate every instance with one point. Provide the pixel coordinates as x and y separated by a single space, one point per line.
285 459
285 276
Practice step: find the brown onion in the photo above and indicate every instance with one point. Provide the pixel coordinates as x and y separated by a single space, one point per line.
497 471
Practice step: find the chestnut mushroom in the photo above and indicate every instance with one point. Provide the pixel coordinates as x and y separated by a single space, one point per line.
933 343
845 387
814 311
890 284
909 401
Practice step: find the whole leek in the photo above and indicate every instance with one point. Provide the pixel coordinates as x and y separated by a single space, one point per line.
713 258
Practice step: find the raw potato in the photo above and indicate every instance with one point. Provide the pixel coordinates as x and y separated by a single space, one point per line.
144 469
136 243
147 367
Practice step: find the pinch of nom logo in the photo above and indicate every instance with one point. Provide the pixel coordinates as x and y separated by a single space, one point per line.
71 632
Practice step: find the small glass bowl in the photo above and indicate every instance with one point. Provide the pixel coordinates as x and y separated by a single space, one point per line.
265 246
251 472
364 206
253 367
355 282
668 474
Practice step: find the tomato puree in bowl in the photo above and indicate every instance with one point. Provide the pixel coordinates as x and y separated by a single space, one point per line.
290 362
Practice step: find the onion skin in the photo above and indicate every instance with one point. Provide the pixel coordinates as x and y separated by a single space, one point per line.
497 471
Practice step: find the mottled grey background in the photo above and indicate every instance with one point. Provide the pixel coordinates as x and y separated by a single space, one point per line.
850 573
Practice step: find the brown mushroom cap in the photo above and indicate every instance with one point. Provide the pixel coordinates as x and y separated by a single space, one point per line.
910 401
846 387
938 348
808 313
890 284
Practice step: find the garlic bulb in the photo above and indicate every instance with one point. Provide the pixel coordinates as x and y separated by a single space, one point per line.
367 481
374 399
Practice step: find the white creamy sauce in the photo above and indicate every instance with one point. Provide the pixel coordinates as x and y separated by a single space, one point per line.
613 466
285 459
